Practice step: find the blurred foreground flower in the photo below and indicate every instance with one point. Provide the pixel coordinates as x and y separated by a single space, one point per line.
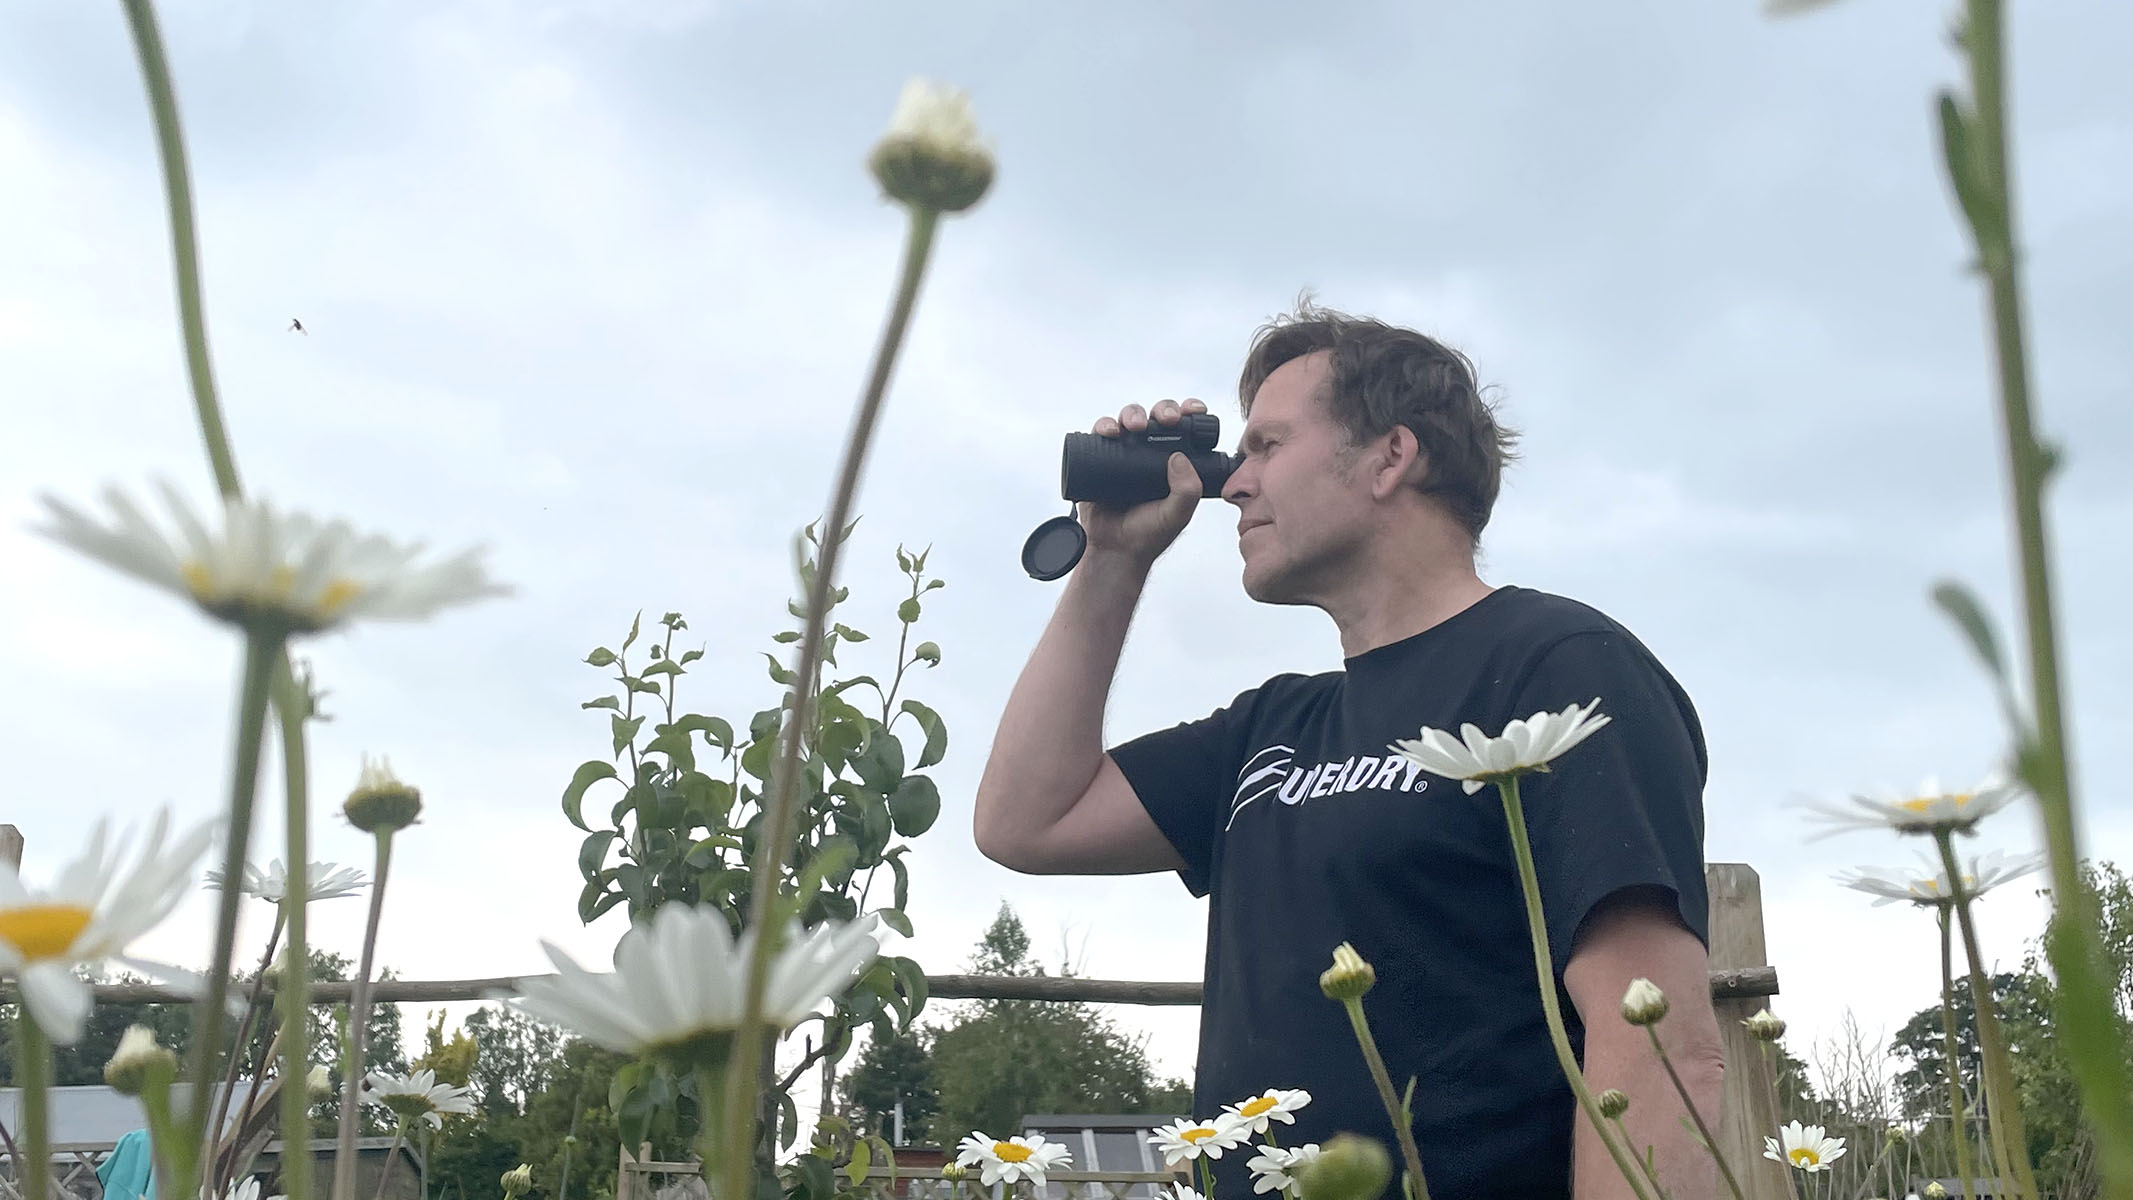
139 1063
1804 1147
1183 1140
932 156
1274 1104
97 906
1274 1169
417 1097
267 569
1928 885
1016 1158
1350 1167
1929 810
1524 747
380 802
322 881
679 978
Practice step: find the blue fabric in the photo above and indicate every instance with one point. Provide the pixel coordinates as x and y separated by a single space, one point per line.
130 1172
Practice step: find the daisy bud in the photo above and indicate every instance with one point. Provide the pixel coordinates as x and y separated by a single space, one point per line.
518 1180
928 653
319 1081
1643 1003
1612 1103
1765 1026
1349 976
381 803
932 158
954 1171
1936 1190
1348 1167
139 1063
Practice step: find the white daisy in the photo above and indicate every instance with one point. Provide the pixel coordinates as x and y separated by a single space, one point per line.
246 1188
417 1097
1274 1168
1928 885
1523 747
1804 1147
1016 1158
98 905
1929 810
288 569
1274 1104
1179 1191
681 977
322 881
1183 1140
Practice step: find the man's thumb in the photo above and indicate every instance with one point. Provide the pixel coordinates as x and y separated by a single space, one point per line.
1184 481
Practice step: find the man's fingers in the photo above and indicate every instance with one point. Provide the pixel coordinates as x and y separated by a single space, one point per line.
1105 427
1196 406
1167 412
1133 417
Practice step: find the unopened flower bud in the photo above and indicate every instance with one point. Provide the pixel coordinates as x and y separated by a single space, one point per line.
1936 1190
139 1063
518 1180
928 653
954 1171
381 803
1643 1003
1765 1026
1348 1167
932 157
319 1081
1349 976
1613 1103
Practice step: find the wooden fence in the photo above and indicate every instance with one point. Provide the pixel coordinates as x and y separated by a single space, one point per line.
1741 982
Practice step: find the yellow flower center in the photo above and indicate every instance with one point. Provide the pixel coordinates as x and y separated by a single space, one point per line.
1922 804
41 931
196 578
1256 1107
1010 1152
337 594
1198 1134
1804 1157
334 597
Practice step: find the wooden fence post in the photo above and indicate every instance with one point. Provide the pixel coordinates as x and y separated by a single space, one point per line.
1749 1099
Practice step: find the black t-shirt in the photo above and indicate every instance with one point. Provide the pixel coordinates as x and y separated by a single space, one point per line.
1292 814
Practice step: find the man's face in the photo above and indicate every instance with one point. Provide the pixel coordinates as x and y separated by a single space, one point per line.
1303 509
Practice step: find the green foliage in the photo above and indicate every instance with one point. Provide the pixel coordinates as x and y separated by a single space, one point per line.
900 1068
671 814
451 1058
83 1062
1006 1059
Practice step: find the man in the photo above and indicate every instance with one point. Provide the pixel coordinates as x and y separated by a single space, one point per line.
1370 466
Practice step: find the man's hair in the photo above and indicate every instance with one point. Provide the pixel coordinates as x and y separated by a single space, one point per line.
1382 375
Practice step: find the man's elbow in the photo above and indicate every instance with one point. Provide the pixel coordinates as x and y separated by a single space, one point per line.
999 839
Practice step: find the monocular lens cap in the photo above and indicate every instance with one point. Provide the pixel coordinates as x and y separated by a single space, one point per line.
1054 548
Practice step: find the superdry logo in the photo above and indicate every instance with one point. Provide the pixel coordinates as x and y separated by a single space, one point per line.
1273 772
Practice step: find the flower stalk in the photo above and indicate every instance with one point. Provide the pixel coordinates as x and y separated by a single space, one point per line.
293 991
1977 153
2004 1114
1402 1124
1703 1130
344 1154
33 1065
1956 1127
1544 967
752 1039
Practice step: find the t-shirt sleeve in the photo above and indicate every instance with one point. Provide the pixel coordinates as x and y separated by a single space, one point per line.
1185 778
1624 808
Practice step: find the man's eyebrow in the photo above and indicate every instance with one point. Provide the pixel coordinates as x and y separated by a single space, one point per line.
1259 433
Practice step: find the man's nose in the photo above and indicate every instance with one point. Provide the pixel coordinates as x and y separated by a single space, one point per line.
1238 487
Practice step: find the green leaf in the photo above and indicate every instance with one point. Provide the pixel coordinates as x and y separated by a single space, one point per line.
634 622
936 733
915 805
907 612
601 657
1963 608
839 687
637 683
595 900
587 774
894 919
850 634
673 621
603 702
593 852
875 823
756 758
903 560
786 638
931 584
779 672
689 656
765 724
881 762
902 895
625 731
928 653
911 981
862 1158
665 666
1973 191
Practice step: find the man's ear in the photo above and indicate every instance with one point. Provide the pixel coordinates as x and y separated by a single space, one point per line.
1402 463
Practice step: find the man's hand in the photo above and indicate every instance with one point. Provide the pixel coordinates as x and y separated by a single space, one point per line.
1140 534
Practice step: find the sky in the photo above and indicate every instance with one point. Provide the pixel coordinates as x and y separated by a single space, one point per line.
594 285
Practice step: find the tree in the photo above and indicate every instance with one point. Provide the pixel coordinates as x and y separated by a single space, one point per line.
899 1069
1006 1059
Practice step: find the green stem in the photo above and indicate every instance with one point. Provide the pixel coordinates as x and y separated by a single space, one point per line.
2005 1113
1544 967
244 1037
34 1066
1681 1089
710 1086
2088 1022
293 702
1955 1077
263 649
385 1174
162 1126
752 1038
344 1151
1402 1125
1643 1163
178 194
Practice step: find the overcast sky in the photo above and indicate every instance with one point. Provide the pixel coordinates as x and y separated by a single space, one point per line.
595 284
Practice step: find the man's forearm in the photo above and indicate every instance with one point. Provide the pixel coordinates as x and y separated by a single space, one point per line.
1050 742
1619 1055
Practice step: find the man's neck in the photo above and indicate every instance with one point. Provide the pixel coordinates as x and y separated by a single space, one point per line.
1395 605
